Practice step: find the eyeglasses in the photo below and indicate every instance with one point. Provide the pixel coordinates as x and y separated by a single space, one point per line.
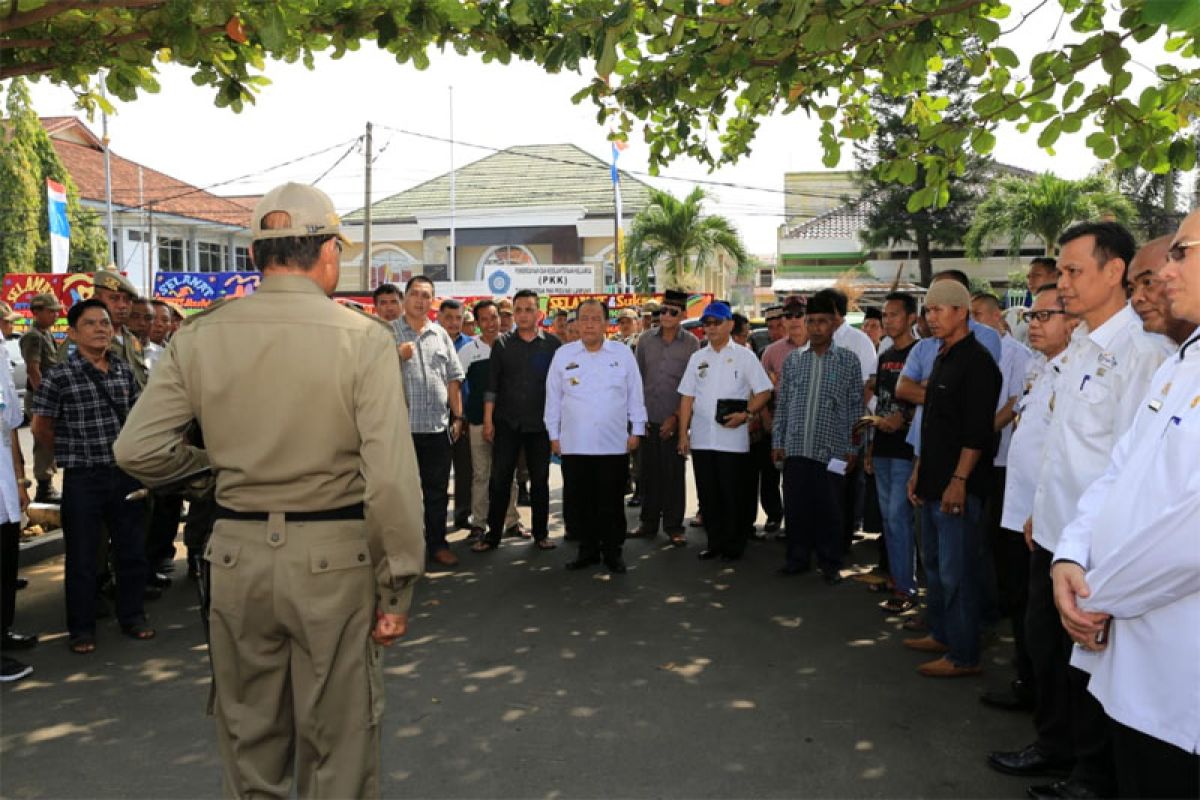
1042 316
671 311
1178 250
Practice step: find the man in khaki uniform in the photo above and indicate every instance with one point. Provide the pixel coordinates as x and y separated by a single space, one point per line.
40 353
318 539
117 293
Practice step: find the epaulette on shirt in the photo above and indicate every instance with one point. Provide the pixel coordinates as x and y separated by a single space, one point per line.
368 315
215 305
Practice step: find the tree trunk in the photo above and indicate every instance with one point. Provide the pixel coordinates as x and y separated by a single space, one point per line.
924 257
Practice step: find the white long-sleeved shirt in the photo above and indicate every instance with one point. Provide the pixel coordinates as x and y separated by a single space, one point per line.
1029 440
1137 533
1105 374
593 398
1014 363
11 416
848 337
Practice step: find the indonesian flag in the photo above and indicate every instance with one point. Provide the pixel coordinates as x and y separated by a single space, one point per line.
60 226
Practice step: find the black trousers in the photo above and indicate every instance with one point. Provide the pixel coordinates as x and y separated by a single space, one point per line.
1012 575
433 464
765 477
200 519
506 447
93 502
721 486
1149 767
853 487
595 513
163 527
812 502
462 480
10 552
663 482
1070 722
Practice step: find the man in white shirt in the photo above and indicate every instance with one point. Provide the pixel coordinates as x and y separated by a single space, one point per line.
1049 330
594 417
1127 568
721 371
1106 370
1149 298
13 500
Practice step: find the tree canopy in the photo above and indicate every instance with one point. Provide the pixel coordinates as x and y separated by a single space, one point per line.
696 76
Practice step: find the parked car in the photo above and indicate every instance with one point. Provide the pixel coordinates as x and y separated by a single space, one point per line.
18 366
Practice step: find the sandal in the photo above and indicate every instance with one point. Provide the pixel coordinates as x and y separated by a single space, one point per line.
678 539
898 604
138 630
83 644
545 544
483 546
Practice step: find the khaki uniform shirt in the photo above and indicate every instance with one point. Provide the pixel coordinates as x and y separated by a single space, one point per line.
38 347
302 409
129 349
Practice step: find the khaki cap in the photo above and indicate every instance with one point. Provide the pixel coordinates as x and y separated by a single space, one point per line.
311 213
44 300
113 281
627 313
652 307
948 293
504 305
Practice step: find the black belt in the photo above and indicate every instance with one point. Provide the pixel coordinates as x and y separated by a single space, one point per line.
355 511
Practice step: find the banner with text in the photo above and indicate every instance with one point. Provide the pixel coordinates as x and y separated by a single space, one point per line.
194 291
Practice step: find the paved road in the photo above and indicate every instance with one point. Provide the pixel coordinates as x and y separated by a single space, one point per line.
518 679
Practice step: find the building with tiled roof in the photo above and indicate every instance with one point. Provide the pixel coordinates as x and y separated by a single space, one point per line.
822 239
545 210
160 223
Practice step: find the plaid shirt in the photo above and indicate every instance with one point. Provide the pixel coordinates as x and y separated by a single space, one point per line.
818 401
85 425
427 374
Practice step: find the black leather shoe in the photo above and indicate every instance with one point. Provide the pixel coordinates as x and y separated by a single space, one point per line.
616 565
792 570
772 525
1016 698
17 641
582 563
831 577
707 555
158 580
1028 762
1061 789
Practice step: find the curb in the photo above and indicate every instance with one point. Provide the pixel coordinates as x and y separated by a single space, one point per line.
41 548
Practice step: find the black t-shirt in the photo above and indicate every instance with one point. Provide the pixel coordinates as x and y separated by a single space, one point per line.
887 375
960 411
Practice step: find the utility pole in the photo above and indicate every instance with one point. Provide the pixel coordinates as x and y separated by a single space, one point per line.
366 254
618 272
453 192
112 256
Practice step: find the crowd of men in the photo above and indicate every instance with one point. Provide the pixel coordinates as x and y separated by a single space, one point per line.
1051 482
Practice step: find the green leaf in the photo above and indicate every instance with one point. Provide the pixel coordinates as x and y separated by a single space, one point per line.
1102 145
1072 94
1182 154
983 141
273 30
1050 133
1114 57
1005 57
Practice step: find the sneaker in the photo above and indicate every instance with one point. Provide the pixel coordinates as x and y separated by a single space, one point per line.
13 670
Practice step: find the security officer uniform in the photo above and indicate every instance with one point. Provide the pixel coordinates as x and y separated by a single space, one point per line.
319 514
124 344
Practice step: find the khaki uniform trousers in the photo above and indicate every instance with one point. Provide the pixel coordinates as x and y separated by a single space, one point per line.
297 682
481 473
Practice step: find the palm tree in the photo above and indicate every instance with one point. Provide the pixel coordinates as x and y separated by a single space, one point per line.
675 236
1043 207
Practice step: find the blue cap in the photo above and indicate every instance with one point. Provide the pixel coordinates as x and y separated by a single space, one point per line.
717 309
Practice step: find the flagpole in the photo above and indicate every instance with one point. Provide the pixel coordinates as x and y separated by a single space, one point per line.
107 174
453 276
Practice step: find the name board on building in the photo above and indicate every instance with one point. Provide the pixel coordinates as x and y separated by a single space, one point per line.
545 278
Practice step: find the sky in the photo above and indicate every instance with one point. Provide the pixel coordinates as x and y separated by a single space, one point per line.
310 119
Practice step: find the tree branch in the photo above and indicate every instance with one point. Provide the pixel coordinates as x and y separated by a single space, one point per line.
16 21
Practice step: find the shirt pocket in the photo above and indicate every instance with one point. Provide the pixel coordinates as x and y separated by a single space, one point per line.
1095 412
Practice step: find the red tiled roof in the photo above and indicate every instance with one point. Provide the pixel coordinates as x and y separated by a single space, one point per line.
157 191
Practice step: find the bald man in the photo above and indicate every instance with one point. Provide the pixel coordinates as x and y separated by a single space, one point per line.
1149 298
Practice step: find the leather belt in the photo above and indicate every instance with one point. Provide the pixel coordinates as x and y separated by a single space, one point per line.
356 511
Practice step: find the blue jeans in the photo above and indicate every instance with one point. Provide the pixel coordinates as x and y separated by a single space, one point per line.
891 483
94 504
952 573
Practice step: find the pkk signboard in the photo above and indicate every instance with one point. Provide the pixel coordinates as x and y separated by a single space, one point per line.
193 291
